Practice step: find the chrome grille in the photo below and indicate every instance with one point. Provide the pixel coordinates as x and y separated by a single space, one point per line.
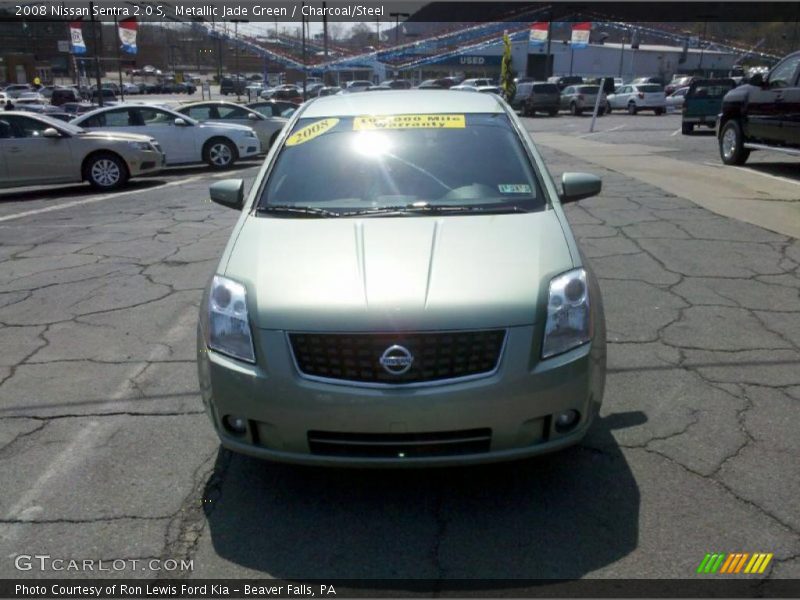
436 355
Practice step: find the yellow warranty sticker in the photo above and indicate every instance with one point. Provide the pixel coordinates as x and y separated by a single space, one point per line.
409 122
309 132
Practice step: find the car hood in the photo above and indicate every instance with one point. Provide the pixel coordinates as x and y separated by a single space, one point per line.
114 136
344 274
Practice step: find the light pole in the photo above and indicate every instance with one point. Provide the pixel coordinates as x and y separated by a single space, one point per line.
397 16
621 54
236 59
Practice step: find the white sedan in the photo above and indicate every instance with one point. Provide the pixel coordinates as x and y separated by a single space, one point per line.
266 128
675 99
182 139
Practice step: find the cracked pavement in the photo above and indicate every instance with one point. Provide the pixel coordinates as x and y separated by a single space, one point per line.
105 451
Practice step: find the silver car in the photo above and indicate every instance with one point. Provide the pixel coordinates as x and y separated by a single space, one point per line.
266 128
35 149
184 140
579 98
402 288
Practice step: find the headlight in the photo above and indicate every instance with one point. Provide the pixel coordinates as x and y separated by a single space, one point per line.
228 325
251 134
568 319
144 146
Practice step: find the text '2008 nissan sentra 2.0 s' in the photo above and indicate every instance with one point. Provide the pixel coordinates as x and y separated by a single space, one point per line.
402 288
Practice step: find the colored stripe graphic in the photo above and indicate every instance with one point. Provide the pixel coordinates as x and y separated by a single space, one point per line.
726 565
765 563
703 564
741 562
733 563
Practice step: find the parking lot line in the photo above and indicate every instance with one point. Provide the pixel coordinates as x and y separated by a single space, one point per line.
676 132
94 199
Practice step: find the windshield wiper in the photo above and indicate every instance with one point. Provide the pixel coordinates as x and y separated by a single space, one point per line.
435 210
288 209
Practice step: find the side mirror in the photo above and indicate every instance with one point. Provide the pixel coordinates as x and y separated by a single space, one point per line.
757 79
51 132
180 122
576 186
252 116
228 192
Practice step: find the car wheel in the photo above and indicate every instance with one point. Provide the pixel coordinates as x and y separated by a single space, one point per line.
105 171
731 144
573 109
632 110
687 128
659 111
553 112
219 153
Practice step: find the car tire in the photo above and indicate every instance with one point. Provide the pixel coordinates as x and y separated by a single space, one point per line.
731 144
574 110
632 109
687 128
553 112
659 111
219 153
105 171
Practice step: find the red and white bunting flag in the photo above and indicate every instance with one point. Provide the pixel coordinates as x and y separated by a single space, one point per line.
539 32
580 34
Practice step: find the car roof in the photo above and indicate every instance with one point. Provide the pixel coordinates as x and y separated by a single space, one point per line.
402 102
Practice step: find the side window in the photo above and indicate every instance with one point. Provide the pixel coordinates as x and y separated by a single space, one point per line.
264 109
95 121
783 75
201 113
5 129
118 118
153 116
569 90
23 127
231 112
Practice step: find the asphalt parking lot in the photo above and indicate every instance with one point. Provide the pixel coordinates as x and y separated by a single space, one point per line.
105 452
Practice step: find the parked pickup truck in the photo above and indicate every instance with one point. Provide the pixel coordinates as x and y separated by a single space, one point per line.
703 102
762 115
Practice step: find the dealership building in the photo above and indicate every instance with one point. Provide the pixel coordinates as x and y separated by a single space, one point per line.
594 60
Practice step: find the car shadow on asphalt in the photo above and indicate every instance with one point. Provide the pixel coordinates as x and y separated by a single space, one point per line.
561 515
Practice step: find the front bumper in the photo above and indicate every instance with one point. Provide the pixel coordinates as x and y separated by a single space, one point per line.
517 403
248 147
147 163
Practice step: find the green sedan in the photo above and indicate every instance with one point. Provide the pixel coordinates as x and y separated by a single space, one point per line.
402 288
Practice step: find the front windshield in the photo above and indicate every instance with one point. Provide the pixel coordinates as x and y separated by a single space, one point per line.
358 164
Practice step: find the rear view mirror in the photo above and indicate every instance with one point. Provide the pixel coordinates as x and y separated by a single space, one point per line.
252 116
757 79
576 186
51 132
180 122
228 192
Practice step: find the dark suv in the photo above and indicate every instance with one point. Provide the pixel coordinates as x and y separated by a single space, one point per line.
763 115
533 97
232 85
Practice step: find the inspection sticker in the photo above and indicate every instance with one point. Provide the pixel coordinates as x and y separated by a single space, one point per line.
514 188
409 122
309 132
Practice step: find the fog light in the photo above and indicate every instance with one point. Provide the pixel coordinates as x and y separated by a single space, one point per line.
234 424
567 420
